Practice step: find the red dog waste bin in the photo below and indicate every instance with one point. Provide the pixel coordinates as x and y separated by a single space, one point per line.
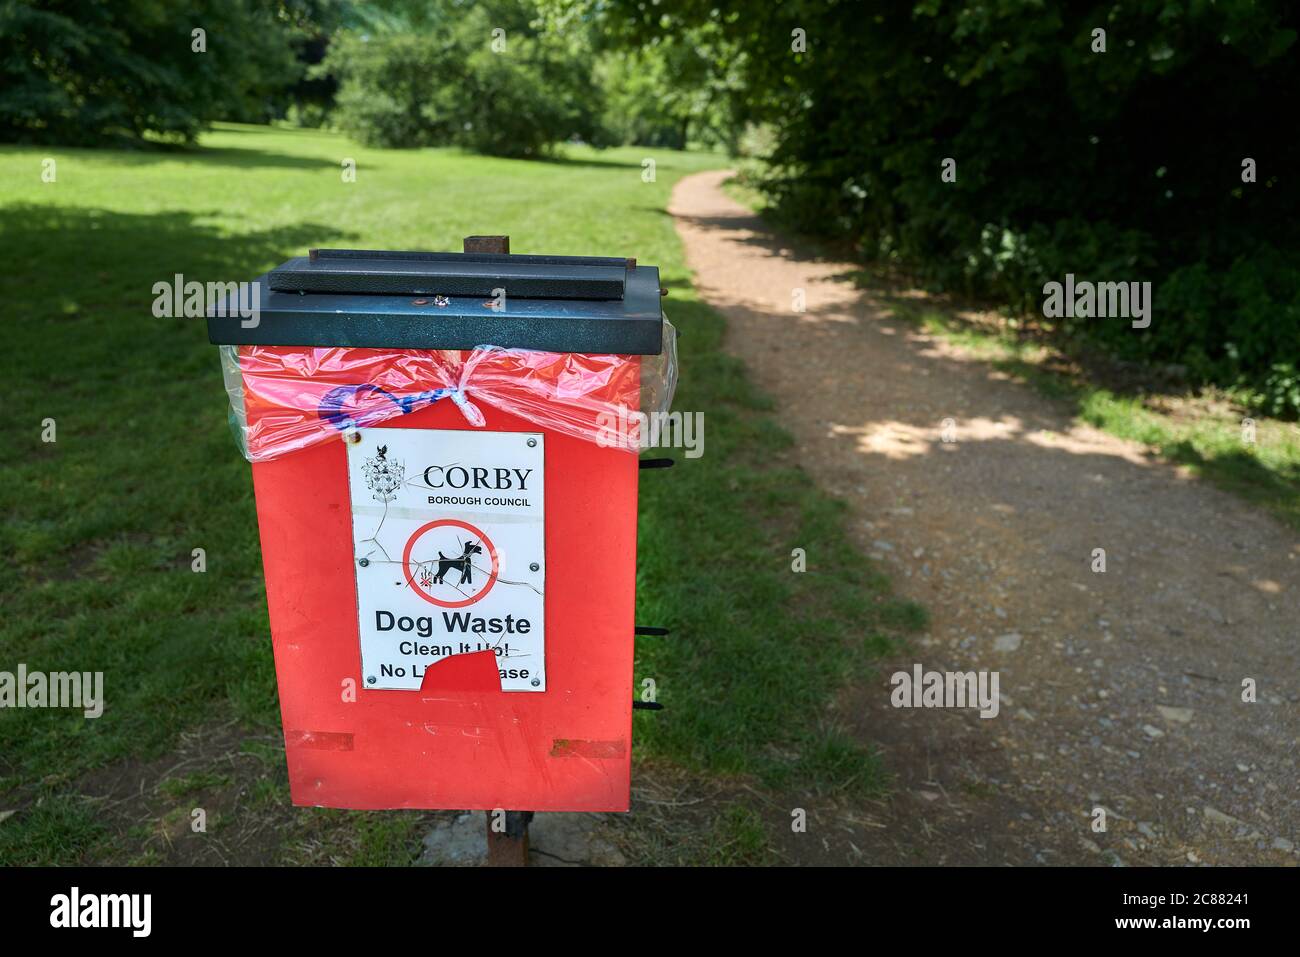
447 511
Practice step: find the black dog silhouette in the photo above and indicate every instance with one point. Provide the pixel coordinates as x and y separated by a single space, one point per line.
462 564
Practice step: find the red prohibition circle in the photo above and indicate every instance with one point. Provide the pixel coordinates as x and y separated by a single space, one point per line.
406 562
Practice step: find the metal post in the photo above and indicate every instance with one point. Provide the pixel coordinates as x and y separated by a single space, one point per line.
487 244
507 848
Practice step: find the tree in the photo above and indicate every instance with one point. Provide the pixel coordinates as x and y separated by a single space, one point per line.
1125 164
84 72
483 77
673 91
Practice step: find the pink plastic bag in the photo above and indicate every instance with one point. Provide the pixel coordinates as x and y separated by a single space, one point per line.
285 398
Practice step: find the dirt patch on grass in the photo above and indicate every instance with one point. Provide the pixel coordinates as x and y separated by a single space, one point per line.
221 798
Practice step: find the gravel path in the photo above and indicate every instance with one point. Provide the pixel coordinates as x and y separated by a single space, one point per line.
1120 690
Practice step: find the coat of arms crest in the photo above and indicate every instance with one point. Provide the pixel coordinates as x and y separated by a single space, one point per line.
383 477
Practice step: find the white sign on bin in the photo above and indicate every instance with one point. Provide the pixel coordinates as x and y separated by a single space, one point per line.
449 547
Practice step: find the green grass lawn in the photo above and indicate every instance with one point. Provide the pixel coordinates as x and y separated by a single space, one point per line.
100 524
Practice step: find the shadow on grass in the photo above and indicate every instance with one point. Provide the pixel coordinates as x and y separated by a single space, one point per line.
230 156
149 153
101 523
565 159
61 257
662 162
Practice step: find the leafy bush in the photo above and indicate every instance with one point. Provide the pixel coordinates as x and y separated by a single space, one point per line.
1280 395
1240 326
445 84
672 93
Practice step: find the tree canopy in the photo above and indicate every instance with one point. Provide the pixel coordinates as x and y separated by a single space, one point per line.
1143 140
85 72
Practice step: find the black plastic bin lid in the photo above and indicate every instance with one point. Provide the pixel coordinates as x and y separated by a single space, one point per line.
413 300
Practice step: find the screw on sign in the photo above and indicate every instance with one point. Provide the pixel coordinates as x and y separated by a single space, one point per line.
472 561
